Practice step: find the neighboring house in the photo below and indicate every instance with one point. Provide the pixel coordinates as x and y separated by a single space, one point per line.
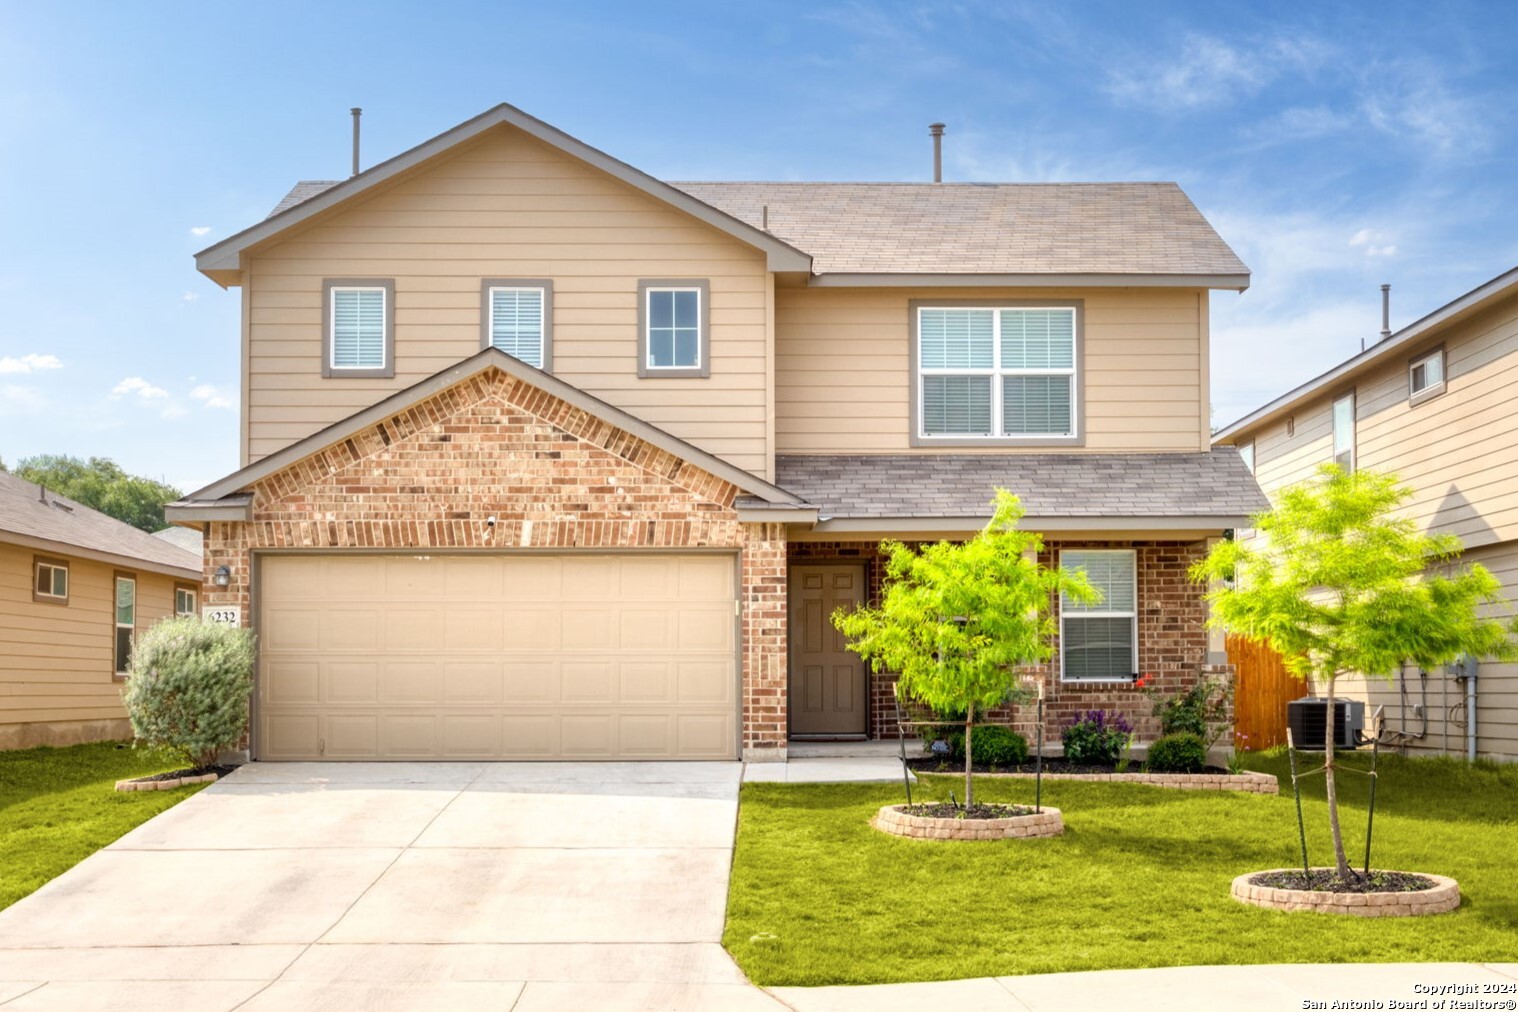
1433 403
76 586
187 538
545 458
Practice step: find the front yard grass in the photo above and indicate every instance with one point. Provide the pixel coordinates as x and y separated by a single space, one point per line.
1140 878
57 807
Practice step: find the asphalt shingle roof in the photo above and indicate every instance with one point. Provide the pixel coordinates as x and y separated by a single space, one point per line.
983 228
1174 485
187 538
967 228
23 511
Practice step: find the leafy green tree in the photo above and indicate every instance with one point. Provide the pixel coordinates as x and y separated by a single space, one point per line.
187 687
101 484
957 618
1343 585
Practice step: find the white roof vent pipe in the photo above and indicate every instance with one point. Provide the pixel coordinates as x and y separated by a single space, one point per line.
936 129
357 112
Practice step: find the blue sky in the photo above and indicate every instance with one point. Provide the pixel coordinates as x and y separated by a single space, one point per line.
1335 146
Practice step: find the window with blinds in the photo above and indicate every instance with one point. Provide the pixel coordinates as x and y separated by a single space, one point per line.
1099 641
358 328
516 323
996 372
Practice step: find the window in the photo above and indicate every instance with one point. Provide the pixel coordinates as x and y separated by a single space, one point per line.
518 317
1246 453
675 318
358 335
1344 432
126 619
996 373
51 581
184 600
1425 376
1099 642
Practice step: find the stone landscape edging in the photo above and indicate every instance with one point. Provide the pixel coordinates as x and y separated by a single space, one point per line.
163 785
1252 783
1441 899
890 819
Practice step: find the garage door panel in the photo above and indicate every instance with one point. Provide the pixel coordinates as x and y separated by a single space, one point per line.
530 681
351 681
527 657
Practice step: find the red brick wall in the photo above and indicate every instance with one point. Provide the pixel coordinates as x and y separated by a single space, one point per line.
551 474
1171 630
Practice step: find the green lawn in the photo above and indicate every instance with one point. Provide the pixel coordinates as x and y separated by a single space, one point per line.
57 807
1139 879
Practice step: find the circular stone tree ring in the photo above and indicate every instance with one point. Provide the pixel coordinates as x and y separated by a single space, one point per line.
891 819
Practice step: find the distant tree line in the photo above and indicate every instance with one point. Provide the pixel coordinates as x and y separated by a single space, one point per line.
101 484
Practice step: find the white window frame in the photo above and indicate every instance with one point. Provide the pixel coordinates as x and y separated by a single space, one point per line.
1417 394
120 663
646 365
54 567
194 596
544 288
920 435
1351 449
331 288
1132 616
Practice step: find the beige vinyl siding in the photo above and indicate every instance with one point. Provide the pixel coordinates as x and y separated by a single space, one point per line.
56 660
842 369
509 206
1496 684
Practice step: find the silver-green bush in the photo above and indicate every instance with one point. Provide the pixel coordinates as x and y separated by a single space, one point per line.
187 687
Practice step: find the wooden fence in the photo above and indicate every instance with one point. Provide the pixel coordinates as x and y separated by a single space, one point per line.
1261 689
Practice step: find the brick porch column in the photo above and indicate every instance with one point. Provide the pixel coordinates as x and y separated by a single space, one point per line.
763 597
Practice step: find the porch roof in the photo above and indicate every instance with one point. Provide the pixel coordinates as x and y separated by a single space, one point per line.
1198 489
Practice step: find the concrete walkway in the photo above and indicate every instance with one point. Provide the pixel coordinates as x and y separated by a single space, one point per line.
401 885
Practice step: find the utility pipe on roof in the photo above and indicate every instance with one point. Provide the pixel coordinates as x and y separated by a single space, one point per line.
1385 312
936 129
357 112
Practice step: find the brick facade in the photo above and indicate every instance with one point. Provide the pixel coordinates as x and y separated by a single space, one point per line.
553 476
1172 638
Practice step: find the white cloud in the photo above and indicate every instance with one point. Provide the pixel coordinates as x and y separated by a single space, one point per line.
1374 243
211 397
29 363
1209 71
200 230
188 297
139 386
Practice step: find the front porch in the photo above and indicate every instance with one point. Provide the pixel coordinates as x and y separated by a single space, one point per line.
836 706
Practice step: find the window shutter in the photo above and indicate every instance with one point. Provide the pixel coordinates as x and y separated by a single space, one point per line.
956 404
358 328
516 323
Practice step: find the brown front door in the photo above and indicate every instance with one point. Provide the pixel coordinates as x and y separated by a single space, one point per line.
827 685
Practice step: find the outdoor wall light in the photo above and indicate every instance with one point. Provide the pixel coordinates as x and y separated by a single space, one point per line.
223 576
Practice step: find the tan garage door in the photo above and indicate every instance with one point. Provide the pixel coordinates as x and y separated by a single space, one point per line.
575 656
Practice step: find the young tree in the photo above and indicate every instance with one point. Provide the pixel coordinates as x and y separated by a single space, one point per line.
957 618
101 484
1343 585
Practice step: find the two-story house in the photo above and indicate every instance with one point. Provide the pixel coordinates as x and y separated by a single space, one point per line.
1432 404
546 458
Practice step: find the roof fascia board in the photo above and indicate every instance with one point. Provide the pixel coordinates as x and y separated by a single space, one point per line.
200 512
475 364
66 550
1127 525
771 515
1231 282
225 256
1471 302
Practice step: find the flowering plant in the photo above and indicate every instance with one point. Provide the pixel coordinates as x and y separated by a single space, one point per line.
1097 737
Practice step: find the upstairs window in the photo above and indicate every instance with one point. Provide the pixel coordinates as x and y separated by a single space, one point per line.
673 330
1344 432
51 581
517 317
359 332
1425 376
1001 374
1099 642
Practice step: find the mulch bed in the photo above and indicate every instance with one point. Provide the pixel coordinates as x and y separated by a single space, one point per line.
200 771
944 810
1327 880
930 764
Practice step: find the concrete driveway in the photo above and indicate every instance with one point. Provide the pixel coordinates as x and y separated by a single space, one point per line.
400 885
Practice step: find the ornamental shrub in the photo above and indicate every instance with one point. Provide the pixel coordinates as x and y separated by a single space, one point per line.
1097 738
187 687
1201 710
1178 753
993 745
